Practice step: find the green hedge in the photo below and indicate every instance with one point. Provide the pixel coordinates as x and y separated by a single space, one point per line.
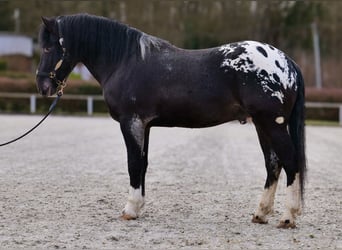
323 95
10 83
333 95
3 65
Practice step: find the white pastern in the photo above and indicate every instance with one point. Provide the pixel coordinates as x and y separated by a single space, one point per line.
293 201
293 196
134 203
266 203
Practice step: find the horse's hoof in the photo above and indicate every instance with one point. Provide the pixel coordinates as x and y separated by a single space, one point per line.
259 219
286 224
125 216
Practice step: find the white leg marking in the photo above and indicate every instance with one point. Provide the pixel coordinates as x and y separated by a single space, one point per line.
293 202
134 204
137 127
137 130
266 204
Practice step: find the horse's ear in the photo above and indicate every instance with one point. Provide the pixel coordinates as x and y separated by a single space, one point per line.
50 24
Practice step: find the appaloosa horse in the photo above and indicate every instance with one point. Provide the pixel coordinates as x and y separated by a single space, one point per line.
148 82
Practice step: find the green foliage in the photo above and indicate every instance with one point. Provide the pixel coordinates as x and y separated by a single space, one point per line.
3 65
324 114
193 40
197 24
220 16
88 89
10 105
13 74
6 12
27 85
74 76
298 21
323 95
321 123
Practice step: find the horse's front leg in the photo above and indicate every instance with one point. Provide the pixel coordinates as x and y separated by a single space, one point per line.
136 135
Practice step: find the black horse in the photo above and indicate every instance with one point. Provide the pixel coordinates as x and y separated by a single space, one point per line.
148 82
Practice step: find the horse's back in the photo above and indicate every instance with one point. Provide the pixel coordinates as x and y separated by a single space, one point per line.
185 88
199 88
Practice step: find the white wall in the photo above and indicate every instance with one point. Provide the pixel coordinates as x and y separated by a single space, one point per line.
15 44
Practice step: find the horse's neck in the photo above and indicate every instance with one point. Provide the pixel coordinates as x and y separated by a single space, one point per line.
98 71
100 66
103 69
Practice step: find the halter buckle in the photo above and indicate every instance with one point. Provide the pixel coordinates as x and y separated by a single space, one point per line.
52 74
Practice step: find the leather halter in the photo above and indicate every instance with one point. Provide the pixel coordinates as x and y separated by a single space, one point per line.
52 74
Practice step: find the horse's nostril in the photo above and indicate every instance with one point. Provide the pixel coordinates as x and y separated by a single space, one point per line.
43 92
45 87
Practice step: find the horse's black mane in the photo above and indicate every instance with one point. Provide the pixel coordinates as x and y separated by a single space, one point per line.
103 39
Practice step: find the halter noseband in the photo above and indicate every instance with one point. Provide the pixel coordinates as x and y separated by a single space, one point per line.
52 74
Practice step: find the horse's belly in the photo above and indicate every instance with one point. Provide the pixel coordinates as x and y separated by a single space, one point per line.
198 116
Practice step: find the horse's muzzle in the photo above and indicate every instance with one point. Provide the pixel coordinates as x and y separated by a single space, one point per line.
45 86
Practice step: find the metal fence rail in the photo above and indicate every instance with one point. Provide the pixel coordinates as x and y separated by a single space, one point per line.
91 98
33 99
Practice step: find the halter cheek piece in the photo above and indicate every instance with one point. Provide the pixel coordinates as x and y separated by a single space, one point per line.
52 74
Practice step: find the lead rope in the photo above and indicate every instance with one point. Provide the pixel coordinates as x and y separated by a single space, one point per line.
51 75
52 107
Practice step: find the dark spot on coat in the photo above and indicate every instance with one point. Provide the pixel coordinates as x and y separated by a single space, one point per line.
271 47
236 53
262 51
263 73
278 65
276 77
249 61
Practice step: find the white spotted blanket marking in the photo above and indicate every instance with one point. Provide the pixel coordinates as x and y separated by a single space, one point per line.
270 65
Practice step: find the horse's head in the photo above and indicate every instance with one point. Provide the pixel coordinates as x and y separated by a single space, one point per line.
55 64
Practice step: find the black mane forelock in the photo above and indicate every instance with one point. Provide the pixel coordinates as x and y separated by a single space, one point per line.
101 39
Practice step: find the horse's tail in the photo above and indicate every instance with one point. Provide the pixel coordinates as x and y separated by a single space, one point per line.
297 130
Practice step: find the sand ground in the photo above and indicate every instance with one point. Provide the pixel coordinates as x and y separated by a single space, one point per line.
65 185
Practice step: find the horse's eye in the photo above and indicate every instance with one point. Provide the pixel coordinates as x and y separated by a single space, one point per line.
46 50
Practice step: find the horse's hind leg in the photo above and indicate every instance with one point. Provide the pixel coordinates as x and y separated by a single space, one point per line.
265 206
136 135
284 149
